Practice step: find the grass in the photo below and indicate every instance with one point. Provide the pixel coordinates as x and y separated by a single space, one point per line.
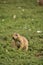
28 20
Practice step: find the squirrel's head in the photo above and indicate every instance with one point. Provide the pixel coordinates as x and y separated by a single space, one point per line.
15 36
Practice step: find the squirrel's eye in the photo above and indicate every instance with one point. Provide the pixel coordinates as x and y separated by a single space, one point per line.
16 35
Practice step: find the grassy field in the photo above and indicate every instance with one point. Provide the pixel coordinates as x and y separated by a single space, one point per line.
26 18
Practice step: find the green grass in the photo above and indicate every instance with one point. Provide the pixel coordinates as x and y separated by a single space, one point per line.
29 20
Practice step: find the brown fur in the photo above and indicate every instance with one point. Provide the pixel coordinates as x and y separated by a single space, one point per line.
19 41
40 2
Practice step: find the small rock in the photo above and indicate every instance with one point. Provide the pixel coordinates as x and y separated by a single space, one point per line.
23 10
14 16
29 29
39 31
32 19
3 20
4 1
7 51
19 7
